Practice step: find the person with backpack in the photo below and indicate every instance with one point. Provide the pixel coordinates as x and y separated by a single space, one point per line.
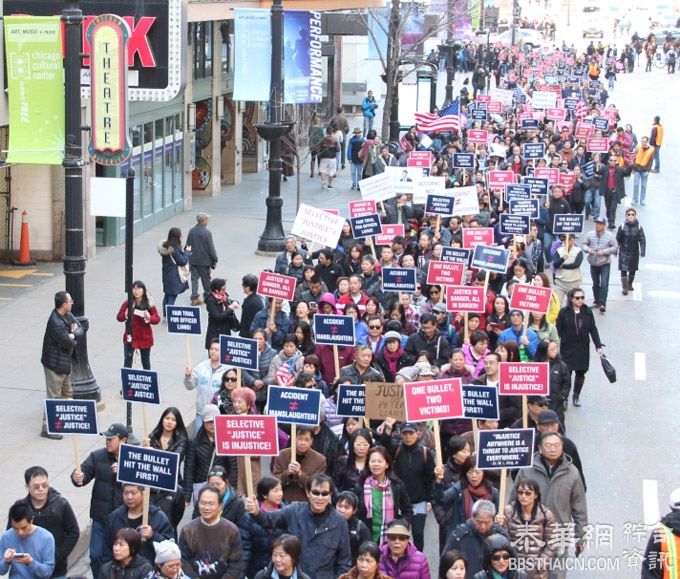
353 154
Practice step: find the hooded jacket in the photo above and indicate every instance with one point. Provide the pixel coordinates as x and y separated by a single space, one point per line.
171 257
670 524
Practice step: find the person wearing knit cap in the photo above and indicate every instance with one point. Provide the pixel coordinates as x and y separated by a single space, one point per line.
168 562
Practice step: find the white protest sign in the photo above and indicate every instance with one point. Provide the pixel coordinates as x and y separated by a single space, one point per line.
318 225
467 202
502 95
542 99
378 188
429 186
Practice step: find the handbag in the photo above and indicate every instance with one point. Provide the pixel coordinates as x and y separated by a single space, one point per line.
608 367
182 270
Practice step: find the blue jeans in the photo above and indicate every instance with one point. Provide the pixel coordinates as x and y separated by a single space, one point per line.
357 170
600 277
548 239
97 546
168 300
593 202
639 186
657 160
368 124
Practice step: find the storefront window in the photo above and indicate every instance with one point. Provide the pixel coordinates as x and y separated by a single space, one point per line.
203 53
147 171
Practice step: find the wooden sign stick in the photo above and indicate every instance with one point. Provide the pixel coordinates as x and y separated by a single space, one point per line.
76 452
437 444
187 349
249 476
336 361
145 511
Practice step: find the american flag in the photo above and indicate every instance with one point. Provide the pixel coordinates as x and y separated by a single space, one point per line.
285 375
447 119
581 110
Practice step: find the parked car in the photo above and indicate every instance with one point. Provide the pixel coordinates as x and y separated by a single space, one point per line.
593 31
526 36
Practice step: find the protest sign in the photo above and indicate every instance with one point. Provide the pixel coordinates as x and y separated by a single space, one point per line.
503 96
384 400
501 178
377 188
465 298
445 273
239 352
543 99
71 416
275 285
508 448
140 386
566 181
425 186
423 158
439 205
398 279
183 319
570 103
246 435
568 223
351 400
455 254
335 330
148 467
474 236
517 191
529 124
527 207
524 379
480 402
403 179
588 170
556 114
597 145
494 107
514 224
466 200
478 136
388 233
433 400
290 405
539 185
533 151
465 161
318 225
611 114
365 225
490 258
362 207
601 124
549 173
478 114
530 298
583 130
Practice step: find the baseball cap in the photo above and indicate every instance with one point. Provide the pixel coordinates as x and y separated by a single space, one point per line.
392 336
600 220
547 417
537 399
398 529
116 429
209 412
440 307
423 369
408 427
357 130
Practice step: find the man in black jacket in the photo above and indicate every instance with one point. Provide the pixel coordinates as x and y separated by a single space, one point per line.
102 468
203 257
430 339
612 188
59 345
52 512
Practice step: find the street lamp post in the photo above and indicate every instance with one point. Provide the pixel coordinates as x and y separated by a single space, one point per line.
273 238
83 381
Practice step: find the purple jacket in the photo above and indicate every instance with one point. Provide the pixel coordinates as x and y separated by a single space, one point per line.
413 565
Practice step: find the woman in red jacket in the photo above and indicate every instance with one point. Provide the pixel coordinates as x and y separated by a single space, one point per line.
144 315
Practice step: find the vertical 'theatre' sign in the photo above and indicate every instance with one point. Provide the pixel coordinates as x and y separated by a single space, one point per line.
108 35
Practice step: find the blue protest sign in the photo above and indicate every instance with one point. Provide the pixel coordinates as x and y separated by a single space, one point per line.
490 258
464 161
439 205
398 279
148 467
533 151
71 416
601 124
456 254
351 400
334 330
294 405
528 207
529 124
514 224
539 185
239 352
478 114
366 225
568 224
140 386
480 402
588 170
517 191
183 319
509 448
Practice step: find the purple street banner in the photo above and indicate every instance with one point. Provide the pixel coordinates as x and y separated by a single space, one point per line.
252 54
303 65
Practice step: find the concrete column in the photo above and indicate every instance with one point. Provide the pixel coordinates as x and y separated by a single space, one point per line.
216 144
188 137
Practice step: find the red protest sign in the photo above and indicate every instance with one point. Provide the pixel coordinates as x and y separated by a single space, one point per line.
465 298
420 159
333 211
275 285
524 378
566 180
477 136
494 107
389 232
483 98
525 115
557 114
445 273
583 130
501 178
433 400
244 435
362 207
611 114
530 298
473 236
597 145
551 174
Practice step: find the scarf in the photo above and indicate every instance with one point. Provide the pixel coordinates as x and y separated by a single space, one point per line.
382 514
473 494
392 359
220 297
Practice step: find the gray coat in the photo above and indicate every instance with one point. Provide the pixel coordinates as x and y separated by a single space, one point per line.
605 243
202 247
562 493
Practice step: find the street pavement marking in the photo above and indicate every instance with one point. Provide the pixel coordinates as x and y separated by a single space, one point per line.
663 294
16 285
637 292
17 273
640 366
43 274
650 501
5 299
661 266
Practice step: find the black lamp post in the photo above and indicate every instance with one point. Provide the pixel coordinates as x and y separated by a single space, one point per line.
273 238
83 381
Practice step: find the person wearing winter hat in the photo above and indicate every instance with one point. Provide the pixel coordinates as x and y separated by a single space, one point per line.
497 554
168 562
662 555
392 358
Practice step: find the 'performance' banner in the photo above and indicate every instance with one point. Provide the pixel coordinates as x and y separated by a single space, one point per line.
303 66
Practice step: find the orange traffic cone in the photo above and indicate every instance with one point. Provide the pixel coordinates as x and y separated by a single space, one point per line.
24 245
